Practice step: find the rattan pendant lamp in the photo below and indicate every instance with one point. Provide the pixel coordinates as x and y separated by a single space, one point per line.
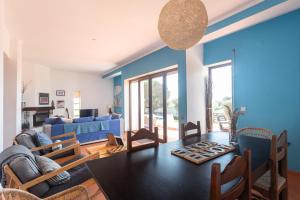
182 23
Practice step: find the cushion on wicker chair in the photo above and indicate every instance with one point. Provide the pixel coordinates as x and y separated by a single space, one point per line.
47 165
27 139
26 171
43 139
264 181
78 176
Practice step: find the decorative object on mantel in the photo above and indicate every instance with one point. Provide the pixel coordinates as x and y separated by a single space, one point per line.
60 104
60 93
44 98
182 23
109 111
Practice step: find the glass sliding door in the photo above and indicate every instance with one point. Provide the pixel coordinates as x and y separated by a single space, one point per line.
172 106
154 103
134 110
157 89
144 104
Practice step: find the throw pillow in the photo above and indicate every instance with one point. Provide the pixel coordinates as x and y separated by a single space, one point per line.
43 139
47 165
103 118
116 116
26 171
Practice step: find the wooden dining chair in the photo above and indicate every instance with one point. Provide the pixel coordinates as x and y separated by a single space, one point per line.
238 169
189 127
142 134
273 184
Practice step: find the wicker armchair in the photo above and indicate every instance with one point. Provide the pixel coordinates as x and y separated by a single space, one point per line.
74 193
71 148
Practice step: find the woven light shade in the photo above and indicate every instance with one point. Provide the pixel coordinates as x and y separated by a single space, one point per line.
182 23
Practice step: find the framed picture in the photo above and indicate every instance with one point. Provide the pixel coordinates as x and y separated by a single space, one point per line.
44 98
60 104
60 93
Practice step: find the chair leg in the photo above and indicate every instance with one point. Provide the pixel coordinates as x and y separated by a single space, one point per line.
284 194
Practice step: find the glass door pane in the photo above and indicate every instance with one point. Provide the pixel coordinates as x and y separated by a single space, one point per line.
144 104
172 107
134 100
221 90
158 106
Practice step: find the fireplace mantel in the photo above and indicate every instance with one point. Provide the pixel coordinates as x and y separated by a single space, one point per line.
38 109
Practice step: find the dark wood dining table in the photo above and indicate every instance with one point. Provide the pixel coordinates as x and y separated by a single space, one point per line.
155 174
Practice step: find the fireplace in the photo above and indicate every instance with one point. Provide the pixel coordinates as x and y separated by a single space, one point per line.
40 117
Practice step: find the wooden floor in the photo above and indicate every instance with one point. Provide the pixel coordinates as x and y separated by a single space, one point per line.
293 177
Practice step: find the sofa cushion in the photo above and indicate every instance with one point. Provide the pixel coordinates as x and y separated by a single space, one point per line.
43 139
83 119
26 171
47 165
54 120
103 118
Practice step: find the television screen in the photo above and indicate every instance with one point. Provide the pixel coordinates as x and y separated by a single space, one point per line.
88 112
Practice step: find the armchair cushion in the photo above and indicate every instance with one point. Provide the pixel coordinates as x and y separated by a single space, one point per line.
27 139
43 139
26 171
78 176
47 165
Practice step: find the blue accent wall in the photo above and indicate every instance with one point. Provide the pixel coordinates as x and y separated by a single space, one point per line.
266 75
160 59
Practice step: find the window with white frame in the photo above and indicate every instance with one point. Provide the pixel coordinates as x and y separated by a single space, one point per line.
76 104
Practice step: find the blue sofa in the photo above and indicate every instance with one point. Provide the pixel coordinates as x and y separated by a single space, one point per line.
112 126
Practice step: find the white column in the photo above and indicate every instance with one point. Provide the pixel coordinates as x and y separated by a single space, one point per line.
19 86
12 91
1 72
196 73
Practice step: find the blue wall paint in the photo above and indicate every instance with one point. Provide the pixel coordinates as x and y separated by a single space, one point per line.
244 14
117 82
266 75
160 59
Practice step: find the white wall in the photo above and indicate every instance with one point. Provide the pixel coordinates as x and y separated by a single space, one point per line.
95 91
1 71
12 91
196 72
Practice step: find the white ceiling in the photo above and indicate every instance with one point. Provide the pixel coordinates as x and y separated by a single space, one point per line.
94 35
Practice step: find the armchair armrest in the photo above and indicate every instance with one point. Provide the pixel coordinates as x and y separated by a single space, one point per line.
75 147
64 135
72 140
58 171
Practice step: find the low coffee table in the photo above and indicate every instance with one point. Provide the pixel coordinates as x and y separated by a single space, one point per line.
104 150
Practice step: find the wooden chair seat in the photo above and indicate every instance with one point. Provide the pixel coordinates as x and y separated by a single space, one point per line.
264 182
